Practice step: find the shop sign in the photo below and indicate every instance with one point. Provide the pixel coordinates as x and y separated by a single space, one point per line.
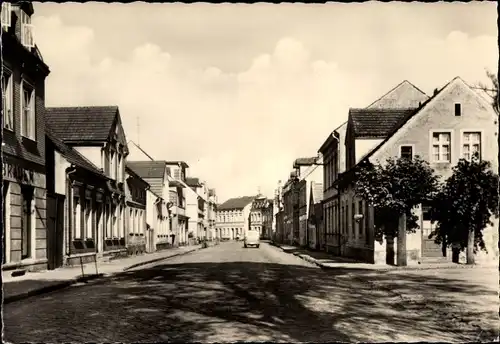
18 173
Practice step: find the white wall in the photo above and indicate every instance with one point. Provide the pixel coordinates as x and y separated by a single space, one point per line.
91 153
61 164
363 147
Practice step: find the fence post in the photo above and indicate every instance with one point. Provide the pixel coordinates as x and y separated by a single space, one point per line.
81 264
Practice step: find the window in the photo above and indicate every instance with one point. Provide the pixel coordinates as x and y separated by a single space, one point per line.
441 150
406 152
6 14
471 145
28 111
88 218
26 221
458 109
112 166
119 176
7 100
114 220
27 36
77 226
109 225
131 221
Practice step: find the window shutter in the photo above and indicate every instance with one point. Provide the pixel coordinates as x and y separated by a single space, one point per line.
6 14
32 115
27 37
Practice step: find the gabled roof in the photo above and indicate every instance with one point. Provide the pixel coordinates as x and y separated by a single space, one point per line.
72 155
135 175
365 158
403 95
148 169
236 203
191 181
84 123
376 123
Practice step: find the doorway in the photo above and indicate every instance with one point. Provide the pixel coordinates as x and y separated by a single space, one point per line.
55 230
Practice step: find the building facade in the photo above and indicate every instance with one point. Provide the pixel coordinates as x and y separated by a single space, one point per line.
232 218
155 173
96 132
455 122
77 200
315 234
345 146
261 214
135 197
23 106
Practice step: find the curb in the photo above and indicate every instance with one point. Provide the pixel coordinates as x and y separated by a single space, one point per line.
51 288
389 269
160 259
83 279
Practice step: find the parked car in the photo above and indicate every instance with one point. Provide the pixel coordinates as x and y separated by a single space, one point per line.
252 238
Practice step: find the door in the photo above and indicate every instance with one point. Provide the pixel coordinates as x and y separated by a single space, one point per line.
55 230
429 247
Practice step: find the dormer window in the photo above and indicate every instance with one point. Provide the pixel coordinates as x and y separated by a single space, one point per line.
6 15
27 32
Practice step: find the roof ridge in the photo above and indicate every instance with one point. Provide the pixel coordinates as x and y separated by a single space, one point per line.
404 121
394 88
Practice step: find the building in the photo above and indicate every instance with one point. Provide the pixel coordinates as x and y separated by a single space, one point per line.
77 200
211 212
277 225
290 209
23 144
315 233
308 171
96 132
188 216
339 155
232 217
450 125
135 198
155 173
261 214
178 220
201 193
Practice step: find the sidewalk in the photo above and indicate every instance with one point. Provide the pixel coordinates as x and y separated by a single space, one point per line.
328 261
36 283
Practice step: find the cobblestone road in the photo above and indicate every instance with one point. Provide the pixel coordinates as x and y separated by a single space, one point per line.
228 294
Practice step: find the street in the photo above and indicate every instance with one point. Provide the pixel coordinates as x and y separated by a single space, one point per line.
227 293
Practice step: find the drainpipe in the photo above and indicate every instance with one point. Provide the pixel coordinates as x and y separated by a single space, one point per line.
337 137
72 169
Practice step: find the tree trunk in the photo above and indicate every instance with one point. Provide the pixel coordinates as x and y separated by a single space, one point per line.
402 256
389 250
470 248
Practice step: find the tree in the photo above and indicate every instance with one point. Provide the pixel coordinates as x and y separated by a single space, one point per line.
394 189
464 206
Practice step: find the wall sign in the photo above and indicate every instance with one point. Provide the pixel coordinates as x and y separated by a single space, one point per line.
18 174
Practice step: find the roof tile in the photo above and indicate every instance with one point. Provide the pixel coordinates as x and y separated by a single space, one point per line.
236 203
85 123
377 123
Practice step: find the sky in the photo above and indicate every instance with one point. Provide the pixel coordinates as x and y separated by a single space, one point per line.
240 91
